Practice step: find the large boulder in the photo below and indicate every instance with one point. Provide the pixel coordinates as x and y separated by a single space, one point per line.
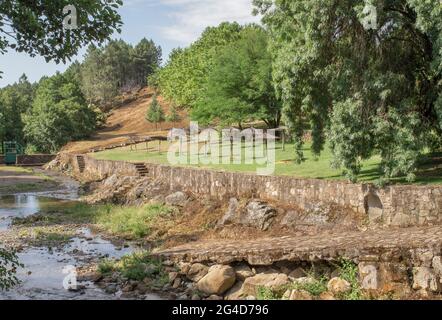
338 286
437 265
235 293
111 181
243 272
218 280
425 279
258 214
299 295
197 271
178 199
230 216
297 273
274 281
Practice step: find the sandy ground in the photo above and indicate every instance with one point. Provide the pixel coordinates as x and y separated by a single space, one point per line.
14 180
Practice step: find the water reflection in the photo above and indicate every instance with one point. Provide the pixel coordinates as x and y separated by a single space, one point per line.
21 206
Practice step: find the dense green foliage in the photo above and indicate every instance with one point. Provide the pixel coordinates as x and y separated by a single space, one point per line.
35 27
173 115
183 78
155 113
137 266
239 87
59 114
46 115
8 268
368 91
15 100
116 67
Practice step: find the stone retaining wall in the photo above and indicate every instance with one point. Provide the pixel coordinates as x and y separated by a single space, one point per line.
402 205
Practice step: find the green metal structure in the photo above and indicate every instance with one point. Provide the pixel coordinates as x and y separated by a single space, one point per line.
10 150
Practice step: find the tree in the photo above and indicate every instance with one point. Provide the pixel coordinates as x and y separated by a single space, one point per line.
59 114
15 100
117 67
184 76
239 86
36 27
173 115
155 113
366 90
101 78
8 268
146 59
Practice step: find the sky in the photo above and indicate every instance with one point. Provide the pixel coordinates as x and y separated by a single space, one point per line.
170 23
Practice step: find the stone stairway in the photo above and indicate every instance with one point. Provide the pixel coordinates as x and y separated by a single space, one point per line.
81 163
142 169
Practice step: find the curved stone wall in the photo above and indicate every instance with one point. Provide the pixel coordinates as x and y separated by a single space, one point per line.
398 205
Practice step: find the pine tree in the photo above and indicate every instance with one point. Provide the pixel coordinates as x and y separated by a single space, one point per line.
155 113
173 115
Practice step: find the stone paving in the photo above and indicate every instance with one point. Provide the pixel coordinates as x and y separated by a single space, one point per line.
377 245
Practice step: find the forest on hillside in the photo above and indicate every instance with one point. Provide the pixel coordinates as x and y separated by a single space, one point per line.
310 66
69 106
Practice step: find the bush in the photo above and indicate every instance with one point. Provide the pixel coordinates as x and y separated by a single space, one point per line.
349 272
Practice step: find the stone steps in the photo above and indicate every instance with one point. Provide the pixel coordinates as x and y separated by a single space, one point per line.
142 170
81 163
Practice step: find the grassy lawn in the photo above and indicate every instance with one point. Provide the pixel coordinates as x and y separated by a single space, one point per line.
430 172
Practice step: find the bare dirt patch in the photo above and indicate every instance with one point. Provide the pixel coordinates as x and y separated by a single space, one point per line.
15 180
128 122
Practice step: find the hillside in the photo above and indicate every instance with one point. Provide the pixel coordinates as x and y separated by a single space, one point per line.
126 123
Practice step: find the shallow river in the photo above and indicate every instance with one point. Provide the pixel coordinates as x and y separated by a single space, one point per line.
45 269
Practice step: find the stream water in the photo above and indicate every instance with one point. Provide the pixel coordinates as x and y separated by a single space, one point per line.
45 269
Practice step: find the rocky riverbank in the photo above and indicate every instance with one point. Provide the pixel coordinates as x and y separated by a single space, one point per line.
252 248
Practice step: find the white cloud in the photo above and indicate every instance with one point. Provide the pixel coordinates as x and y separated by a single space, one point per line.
191 17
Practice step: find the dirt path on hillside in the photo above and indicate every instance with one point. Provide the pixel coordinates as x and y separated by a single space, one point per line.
128 122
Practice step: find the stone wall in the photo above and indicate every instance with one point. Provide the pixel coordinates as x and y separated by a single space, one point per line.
402 205
34 159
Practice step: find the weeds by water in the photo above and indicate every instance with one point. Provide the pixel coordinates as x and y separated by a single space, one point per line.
348 271
122 221
137 266
317 284
315 287
264 293
131 222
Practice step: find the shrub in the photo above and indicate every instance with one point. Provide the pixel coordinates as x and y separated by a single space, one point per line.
348 271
